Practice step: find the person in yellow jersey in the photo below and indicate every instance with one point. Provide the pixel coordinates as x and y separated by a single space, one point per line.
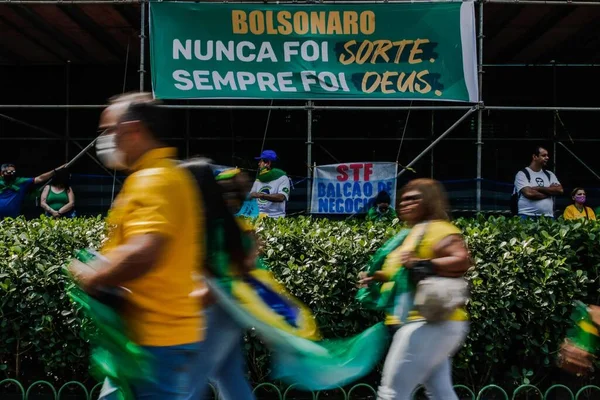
578 209
421 350
153 246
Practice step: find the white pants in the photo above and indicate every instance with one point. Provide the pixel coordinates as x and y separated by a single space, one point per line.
421 354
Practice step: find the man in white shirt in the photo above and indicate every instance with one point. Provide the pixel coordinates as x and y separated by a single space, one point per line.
272 186
536 187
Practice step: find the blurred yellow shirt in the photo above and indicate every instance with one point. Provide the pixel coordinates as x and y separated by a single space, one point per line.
421 240
159 197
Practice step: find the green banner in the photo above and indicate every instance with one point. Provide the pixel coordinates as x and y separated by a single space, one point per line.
420 51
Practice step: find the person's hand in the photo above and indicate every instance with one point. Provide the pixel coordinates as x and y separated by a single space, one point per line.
575 360
84 275
408 259
56 214
202 292
255 195
554 184
364 280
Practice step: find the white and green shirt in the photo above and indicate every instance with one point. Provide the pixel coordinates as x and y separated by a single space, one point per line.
280 185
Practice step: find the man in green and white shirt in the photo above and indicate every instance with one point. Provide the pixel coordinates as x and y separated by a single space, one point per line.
272 186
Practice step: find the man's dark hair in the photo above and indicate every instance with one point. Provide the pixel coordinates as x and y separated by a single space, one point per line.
144 108
537 150
7 166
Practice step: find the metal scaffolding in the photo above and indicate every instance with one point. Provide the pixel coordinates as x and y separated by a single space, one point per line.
310 106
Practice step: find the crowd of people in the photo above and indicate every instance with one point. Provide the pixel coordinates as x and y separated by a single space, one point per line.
271 190
159 245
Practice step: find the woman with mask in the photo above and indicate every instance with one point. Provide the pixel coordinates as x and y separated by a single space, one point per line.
434 258
578 209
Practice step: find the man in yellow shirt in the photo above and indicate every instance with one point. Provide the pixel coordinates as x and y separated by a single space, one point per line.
153 246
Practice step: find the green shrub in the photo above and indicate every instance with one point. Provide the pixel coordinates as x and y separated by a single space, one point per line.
40 333
525 278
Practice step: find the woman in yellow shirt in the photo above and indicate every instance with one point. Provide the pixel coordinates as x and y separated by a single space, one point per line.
578 209
421 351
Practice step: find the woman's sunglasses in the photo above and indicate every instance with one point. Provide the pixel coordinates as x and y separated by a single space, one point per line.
414 197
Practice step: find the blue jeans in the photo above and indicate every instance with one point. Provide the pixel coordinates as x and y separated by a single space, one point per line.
421 354
173 367
221 359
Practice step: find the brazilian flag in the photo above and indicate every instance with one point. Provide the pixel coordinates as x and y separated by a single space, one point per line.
584 334
300 355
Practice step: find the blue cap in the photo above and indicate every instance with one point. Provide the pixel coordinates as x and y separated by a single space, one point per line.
268 155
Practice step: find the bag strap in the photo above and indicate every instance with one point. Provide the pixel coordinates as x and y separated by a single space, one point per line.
528 176
419 239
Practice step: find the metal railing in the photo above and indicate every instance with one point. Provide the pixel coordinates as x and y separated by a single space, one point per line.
277 393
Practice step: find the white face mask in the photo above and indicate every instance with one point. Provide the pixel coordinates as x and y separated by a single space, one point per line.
109 154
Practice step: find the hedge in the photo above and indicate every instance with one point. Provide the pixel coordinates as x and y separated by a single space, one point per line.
525 278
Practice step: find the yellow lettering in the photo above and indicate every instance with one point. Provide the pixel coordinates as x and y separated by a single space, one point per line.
285 26
426 86
374 85
257 22
367 22
238 22
385 82
350 23
347 47
334 24
401 45
416 50
408 83
381 51
317 22
270 28
361 55
301 24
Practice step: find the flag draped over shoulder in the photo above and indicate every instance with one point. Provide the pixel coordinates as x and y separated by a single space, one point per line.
255 299
300 355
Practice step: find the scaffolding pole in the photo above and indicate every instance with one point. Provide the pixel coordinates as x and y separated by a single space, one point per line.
247 107
543 65
544 3
142 43
479 143
436 141
309 142
303 139
525 108
59 2
315 107
292 2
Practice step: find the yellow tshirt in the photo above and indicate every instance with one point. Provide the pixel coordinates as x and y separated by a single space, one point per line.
571 212
159 197
423 245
